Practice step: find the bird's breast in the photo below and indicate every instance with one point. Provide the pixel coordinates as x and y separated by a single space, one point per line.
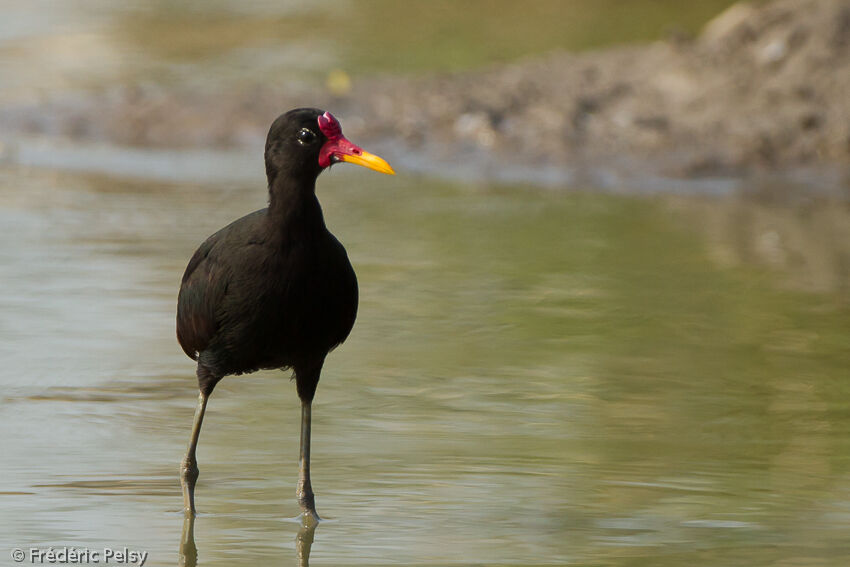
311 303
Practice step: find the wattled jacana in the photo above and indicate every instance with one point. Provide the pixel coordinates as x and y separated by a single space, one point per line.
273 289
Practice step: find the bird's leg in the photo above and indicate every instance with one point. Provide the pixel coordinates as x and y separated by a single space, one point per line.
189 467
305 489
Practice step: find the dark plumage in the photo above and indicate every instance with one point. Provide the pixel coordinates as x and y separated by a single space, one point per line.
274 289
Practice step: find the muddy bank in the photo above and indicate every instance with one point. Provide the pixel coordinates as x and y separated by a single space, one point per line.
761 89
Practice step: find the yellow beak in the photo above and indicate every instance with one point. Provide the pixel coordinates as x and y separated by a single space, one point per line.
369 160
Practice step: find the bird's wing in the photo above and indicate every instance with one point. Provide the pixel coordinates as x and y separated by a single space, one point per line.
210 271
206 279
203 286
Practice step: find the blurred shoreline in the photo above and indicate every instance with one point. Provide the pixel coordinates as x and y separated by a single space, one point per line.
760 93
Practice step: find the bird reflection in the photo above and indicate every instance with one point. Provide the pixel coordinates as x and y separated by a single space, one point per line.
303 541
188 549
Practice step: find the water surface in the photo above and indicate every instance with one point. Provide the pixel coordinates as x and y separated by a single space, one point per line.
535 378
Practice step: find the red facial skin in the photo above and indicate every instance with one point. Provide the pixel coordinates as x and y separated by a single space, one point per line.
337 144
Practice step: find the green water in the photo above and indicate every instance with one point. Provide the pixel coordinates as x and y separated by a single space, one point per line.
534 379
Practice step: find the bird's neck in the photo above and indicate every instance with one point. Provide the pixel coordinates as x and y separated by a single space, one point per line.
294 210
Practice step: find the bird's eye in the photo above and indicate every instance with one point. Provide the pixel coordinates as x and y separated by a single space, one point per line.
306 136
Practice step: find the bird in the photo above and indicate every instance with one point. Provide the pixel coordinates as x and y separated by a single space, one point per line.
273 289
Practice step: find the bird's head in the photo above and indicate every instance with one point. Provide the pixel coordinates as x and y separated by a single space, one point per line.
303 142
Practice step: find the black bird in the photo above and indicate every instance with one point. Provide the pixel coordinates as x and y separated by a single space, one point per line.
273 289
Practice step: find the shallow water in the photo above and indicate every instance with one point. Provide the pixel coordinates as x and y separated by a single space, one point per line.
534 379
